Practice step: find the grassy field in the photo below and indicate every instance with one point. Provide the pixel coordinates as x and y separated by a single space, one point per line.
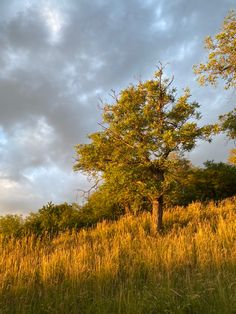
121 267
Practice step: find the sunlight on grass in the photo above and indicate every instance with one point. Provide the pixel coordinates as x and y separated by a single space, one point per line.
121 267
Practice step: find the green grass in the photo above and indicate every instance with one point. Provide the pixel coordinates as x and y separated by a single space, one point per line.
121 267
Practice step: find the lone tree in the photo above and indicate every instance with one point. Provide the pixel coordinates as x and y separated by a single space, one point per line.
141 130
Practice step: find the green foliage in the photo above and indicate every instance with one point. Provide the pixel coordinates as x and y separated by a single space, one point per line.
11 225
53 219
141 129
110 201
232 157
222 64
215 181
102 205
228 124
220 179
221 55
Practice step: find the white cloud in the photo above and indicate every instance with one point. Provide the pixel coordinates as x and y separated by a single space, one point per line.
54 20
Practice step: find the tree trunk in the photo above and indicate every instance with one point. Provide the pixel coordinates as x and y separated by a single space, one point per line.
157 214
127 209
154 216
160 214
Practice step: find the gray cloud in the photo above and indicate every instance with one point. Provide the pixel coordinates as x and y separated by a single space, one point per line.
58 57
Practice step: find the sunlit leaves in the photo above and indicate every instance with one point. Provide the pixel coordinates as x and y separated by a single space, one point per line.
142 128
228 124
221 61
232 157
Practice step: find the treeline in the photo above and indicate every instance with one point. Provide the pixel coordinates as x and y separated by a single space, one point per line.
214 181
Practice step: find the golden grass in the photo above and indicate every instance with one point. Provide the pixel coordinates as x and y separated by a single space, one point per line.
120 267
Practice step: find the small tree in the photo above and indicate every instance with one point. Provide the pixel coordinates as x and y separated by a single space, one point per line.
221 55
144 125
53 219
11 225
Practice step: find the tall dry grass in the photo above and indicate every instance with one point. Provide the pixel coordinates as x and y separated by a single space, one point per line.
121 267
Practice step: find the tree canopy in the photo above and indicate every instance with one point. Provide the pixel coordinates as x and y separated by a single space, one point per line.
141 130
222 64
228 124
221 61
214 181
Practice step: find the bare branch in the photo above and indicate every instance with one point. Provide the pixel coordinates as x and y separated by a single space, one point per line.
117 136
86 193
100 104
114 95
171 81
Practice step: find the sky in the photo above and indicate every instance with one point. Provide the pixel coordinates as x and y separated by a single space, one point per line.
59 58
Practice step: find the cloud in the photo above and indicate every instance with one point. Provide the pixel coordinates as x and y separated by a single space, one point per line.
58 57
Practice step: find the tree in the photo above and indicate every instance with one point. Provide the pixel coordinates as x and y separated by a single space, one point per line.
213 181
53 219
140 130
232 157
220 180
228 124
222 64
11 225
221 55
102 204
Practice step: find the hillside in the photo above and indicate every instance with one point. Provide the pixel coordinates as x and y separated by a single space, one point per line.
121 267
